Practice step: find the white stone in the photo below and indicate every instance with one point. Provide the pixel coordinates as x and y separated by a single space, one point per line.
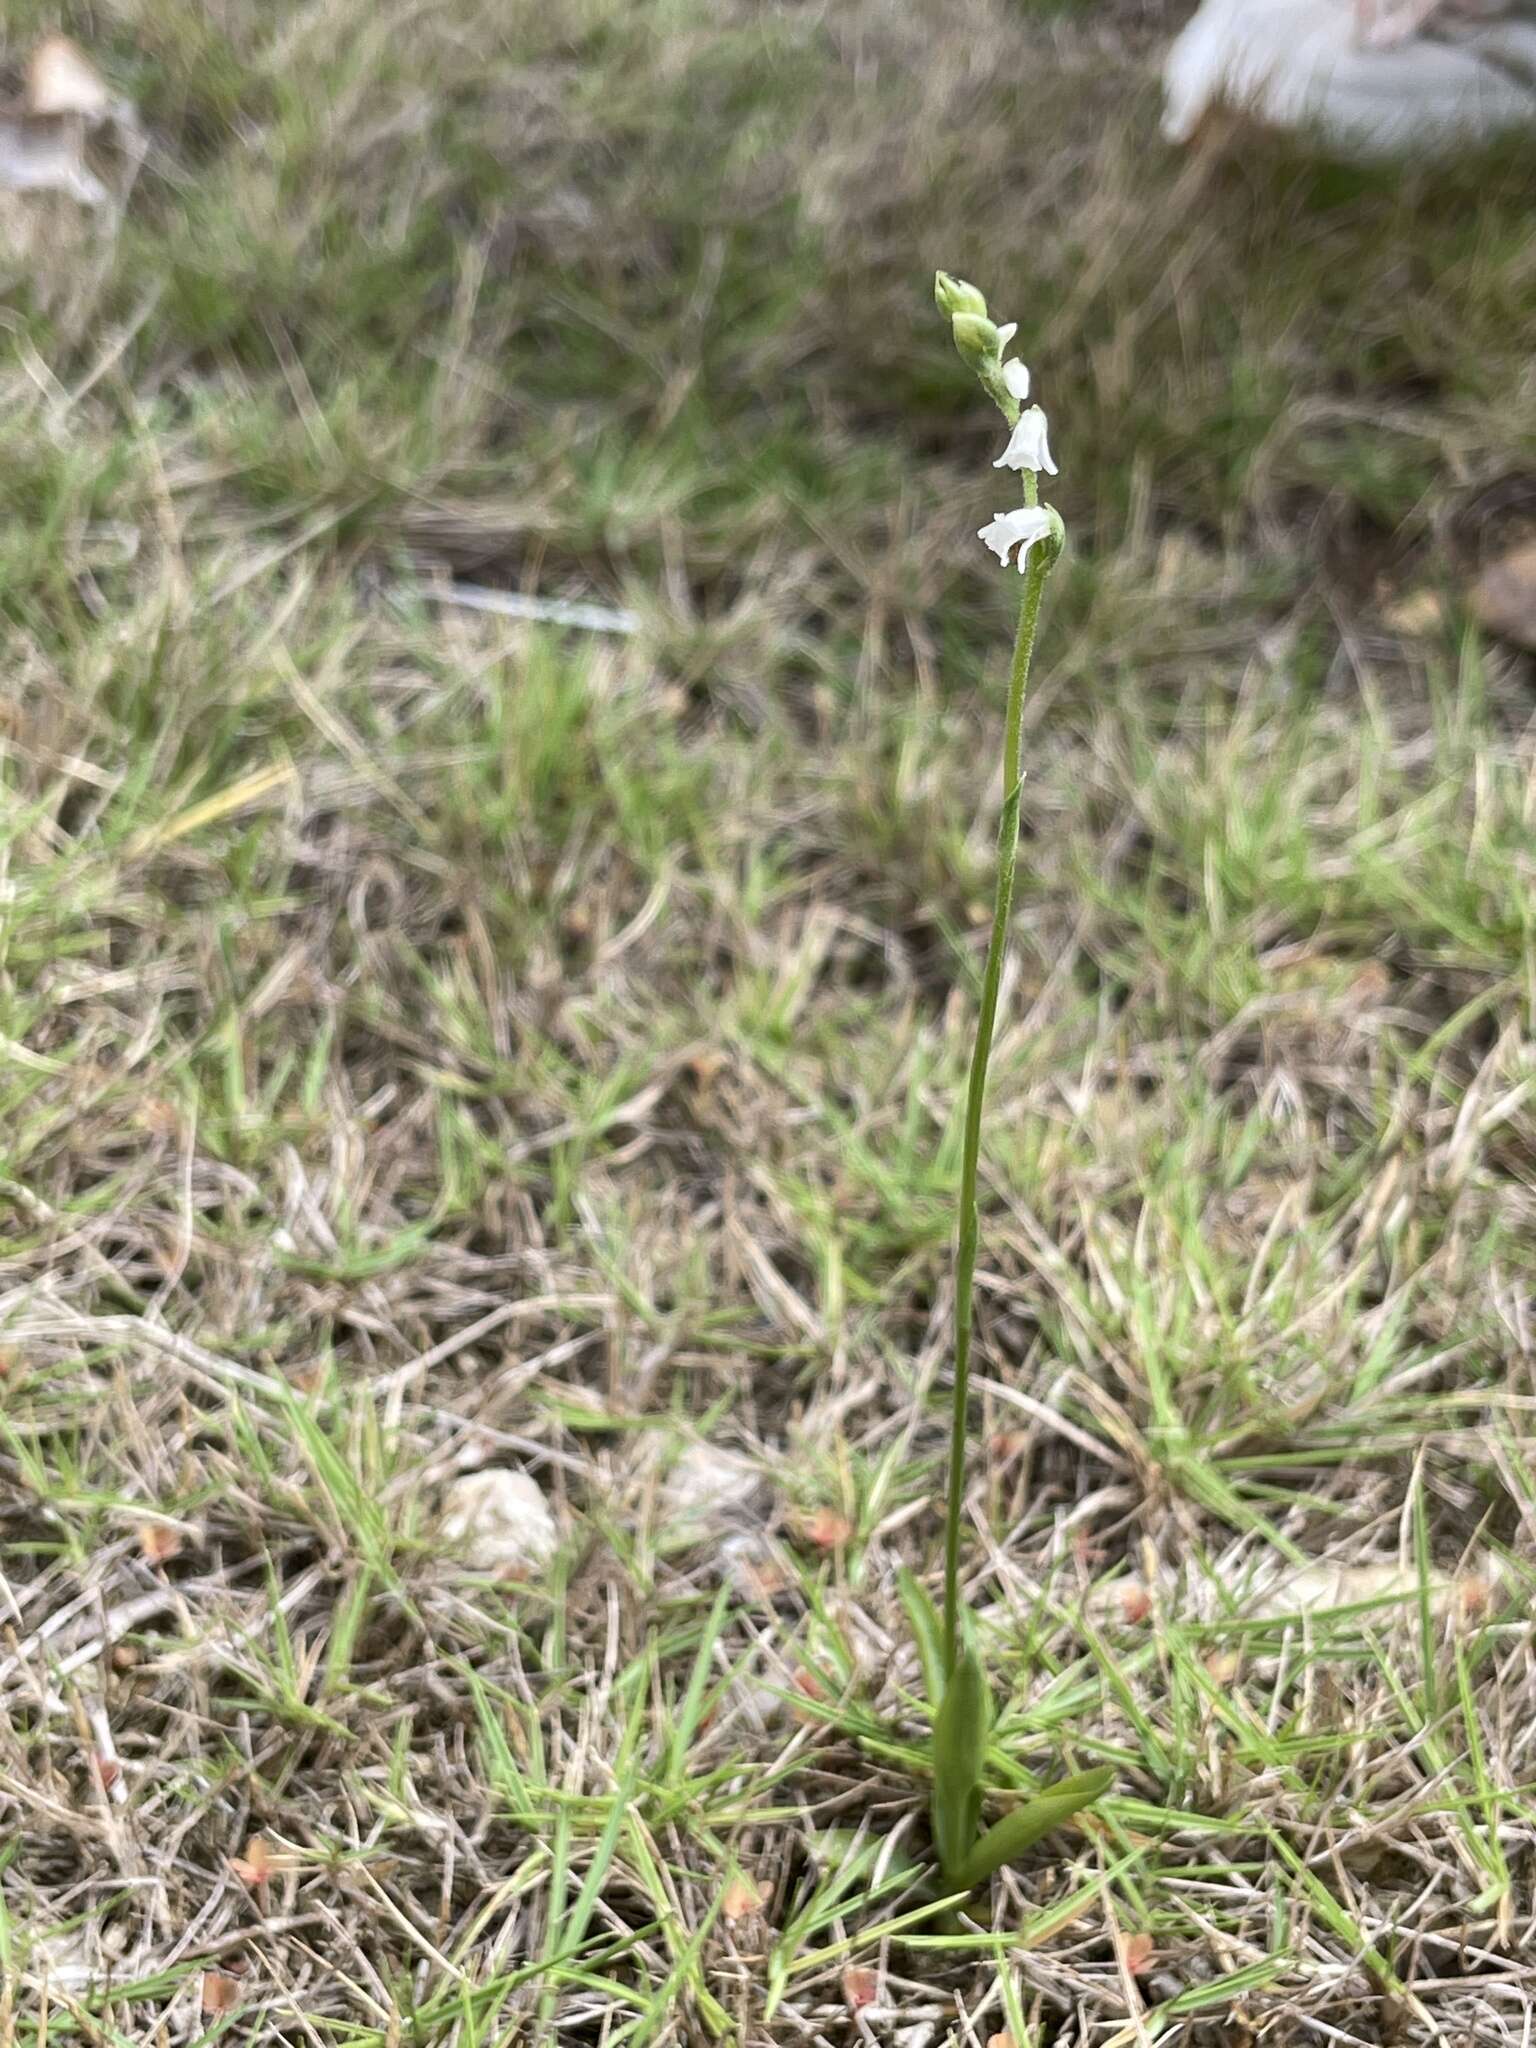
709 1488
498 1520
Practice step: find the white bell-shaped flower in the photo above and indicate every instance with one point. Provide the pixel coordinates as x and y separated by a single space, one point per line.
1027 445
1006 531
1015 375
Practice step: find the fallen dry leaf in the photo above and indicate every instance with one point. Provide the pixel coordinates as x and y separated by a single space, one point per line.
807 1684
1503 598
1004 2039
752 1567
221 1993
1372 984
159 1541
1474 1596
1322 1588
1119 1602
859 1986
161 1118
1137 1952
254 1866
706 1065
1417 613
1135 1601
827 1529
1276 1592
741 1897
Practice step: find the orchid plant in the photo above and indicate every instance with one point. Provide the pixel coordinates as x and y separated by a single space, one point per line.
1030 538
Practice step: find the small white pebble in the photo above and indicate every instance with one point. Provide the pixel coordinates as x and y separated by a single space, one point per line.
497 1520
709 1488
918 2035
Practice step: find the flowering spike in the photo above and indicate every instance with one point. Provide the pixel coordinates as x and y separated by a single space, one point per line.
1030 537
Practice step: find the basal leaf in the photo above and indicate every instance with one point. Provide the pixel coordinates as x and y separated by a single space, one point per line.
1018 1830
959 1741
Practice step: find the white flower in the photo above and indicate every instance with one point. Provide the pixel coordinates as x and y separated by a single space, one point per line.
1027 447
1009 530
1015 375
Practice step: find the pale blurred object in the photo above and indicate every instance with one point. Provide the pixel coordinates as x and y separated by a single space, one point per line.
1370 78
1503 598
43 156
61 79
43 134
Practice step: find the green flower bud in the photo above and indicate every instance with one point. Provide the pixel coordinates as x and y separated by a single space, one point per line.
953 295
978 340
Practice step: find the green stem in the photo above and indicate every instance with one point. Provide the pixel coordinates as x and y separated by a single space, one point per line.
1039 565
